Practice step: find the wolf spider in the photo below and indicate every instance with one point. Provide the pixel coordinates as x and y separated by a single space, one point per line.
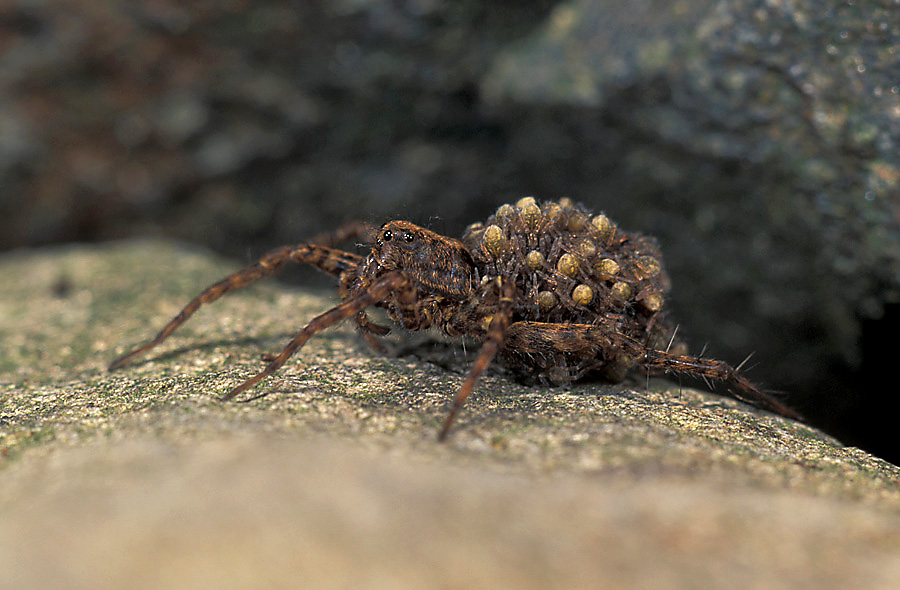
556 291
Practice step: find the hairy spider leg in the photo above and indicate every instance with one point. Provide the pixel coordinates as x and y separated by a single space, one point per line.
375 293
331 261
540 337
739 387
492 342
370 331
346 232
547 344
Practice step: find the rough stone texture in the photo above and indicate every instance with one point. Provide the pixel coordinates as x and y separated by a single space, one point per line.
141 478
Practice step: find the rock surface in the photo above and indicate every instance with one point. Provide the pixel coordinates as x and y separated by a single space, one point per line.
141 478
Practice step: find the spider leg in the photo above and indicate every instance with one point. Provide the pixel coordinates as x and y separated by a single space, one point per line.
581 341
564 352
331 261
370 330
738 386
492 342
376 292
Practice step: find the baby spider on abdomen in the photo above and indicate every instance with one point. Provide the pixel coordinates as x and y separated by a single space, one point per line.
554 290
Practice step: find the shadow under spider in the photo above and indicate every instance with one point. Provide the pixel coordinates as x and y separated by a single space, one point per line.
237 342
517 395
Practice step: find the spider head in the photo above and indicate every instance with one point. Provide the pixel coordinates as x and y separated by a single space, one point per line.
396 237
437 263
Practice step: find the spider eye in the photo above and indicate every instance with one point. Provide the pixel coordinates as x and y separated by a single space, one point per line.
408 237
387 236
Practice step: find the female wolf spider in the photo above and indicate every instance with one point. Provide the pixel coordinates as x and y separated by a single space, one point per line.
556 291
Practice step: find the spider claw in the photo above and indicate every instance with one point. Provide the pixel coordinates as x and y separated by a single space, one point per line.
249 399
116 364
445 429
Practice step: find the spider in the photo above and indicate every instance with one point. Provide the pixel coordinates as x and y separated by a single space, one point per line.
553 290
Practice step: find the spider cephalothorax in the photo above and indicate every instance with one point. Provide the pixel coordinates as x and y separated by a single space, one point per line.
556 291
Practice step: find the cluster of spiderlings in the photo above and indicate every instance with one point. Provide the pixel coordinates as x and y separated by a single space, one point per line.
568 264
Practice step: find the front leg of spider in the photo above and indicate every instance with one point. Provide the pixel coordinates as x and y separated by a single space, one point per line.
492 343
446 294
329 260
375 293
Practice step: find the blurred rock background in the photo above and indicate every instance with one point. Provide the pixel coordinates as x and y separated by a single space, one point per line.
759 141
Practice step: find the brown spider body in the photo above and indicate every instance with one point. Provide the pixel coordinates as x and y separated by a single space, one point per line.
557 292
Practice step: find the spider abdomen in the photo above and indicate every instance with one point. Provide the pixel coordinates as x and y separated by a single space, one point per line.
570 265
573 268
